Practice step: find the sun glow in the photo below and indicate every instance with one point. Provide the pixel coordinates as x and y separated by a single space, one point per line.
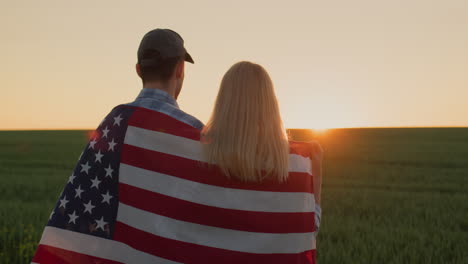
320 130
325 120
319 126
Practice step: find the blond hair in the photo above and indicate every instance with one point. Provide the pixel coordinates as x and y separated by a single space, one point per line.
245 137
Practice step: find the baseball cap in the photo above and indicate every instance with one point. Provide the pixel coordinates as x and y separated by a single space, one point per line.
161 44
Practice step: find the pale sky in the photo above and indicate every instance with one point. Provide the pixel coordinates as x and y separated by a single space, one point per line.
66 64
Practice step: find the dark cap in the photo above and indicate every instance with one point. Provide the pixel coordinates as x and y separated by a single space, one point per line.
161 44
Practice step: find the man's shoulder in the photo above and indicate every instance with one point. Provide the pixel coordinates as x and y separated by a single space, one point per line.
151 120
119 110
188 119
170 111
117 117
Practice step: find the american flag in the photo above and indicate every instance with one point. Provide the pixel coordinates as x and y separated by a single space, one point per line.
142 192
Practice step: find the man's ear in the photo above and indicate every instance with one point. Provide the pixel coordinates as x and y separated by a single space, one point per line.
179 71
138 70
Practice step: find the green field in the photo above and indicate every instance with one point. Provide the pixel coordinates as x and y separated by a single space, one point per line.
389 195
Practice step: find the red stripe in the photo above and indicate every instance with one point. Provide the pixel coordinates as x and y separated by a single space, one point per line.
53 255
208 215
192 253
157 121
299 148
194 171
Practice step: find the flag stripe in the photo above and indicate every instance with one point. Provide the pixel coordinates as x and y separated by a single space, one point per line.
95 247
229 239
190 149
185 252
152 120
207 215
239 199
163 142
194 171
52 255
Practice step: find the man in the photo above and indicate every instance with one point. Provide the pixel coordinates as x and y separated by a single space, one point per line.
82 225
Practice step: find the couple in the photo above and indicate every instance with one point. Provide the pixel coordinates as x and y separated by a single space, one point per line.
155 185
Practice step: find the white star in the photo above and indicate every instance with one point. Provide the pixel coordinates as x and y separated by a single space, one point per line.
88 207
85 167
92 143
105 131
71 178
78 192
95 182
98 156
117 120
73 217
106 197
109 171
112 145
100 223
63 201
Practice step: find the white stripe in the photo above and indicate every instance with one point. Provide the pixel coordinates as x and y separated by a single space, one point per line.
252 242
239 199
190 149
96 246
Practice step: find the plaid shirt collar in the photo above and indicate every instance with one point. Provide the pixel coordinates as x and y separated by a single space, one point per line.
157 94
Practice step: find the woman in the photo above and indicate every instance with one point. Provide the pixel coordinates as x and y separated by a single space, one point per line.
245 138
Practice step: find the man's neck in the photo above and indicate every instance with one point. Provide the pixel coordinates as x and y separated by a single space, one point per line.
168 87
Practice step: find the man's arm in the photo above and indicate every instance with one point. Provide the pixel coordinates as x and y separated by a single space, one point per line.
316 158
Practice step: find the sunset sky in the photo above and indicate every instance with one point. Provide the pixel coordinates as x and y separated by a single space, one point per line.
361 63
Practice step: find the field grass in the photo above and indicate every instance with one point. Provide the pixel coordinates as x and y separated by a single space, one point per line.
389 195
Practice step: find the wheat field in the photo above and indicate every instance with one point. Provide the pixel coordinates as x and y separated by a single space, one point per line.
393 195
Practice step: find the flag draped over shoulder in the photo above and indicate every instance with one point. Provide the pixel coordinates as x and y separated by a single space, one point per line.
143 193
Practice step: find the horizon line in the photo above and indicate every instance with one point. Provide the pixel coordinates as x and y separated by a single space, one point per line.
330 128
